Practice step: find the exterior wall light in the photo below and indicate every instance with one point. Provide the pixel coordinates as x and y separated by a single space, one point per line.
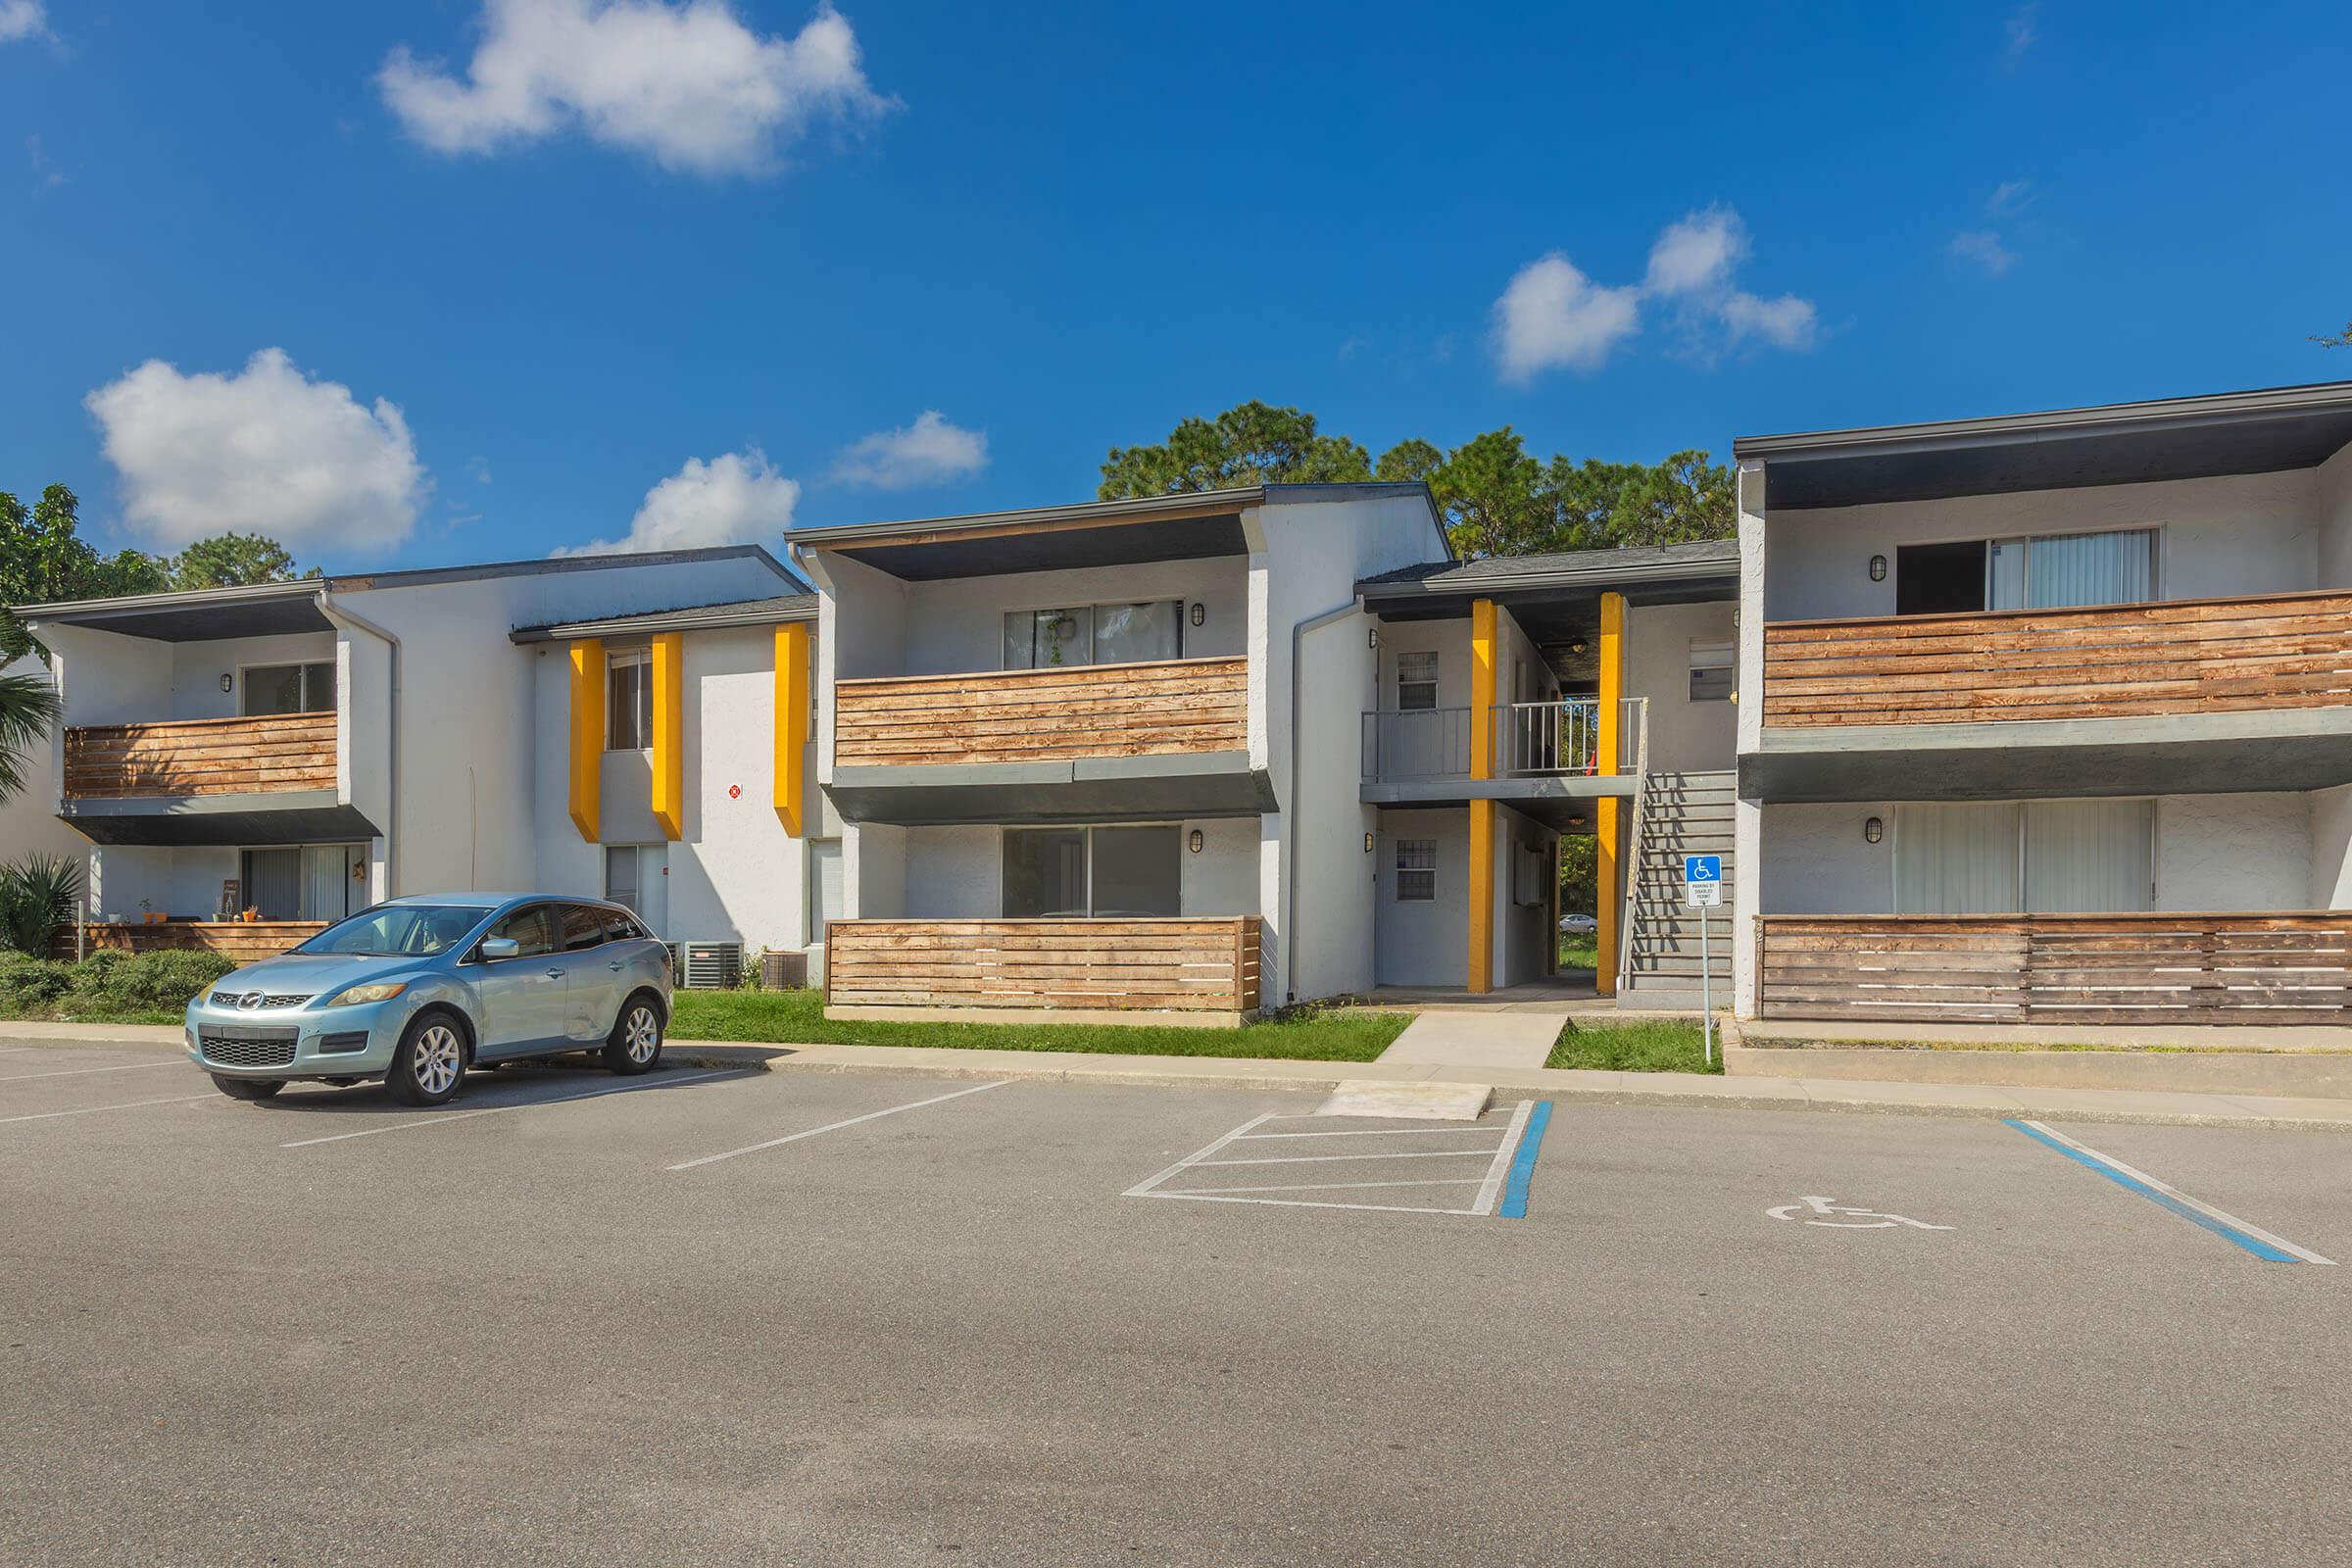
1873 831
1374 639
1878 568
1194 841
229 683
1200 612
1367 844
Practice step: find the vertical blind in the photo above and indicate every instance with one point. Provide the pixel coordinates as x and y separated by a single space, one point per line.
2029 857
2062 571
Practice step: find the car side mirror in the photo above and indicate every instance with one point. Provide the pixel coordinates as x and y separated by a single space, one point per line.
494 948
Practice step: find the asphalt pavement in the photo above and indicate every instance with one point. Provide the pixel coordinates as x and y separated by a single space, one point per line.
734 1317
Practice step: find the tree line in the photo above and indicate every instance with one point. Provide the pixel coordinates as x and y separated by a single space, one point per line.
43 558
1498 498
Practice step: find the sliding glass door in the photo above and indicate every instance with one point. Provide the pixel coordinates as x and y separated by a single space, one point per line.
2024 857
1093 872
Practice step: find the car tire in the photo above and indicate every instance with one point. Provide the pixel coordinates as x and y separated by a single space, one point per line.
430 1062
247 1088
635 1043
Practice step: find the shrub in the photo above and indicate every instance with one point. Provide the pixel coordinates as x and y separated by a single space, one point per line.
143 982
31 985
36 896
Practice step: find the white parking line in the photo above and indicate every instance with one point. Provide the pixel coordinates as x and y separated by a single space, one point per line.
1325 1159
76 1072
1497 1156
422 1120
834 1127
1493 1188
91 1110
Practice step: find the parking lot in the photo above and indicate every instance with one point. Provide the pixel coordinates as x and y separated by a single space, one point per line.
719 1317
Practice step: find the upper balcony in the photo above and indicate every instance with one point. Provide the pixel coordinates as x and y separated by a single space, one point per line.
280 753
1163 707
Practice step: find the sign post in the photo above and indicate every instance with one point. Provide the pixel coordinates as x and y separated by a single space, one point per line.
1702 887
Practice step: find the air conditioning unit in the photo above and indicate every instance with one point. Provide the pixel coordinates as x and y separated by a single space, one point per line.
783 971
710 965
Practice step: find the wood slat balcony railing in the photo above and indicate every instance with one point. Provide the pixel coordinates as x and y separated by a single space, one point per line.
1042 715
240 941
1139 965
2058 969
2187 656
201 757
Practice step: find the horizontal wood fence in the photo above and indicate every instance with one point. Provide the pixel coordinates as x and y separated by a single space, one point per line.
2188 656
243 941
2059 969
1182 965
201 757
1043 716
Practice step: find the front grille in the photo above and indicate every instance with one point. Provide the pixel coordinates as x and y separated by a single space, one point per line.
249 1047
258 998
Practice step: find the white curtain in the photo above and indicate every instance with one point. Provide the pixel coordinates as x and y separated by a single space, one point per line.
1956 858
326 881
2089 856
2062 571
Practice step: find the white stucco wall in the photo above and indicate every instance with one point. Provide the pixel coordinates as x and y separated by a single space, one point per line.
957 625
2331 501
28 824
958 873
1521 932
2331 884
2242 534
1815 859
1684 736
1423 944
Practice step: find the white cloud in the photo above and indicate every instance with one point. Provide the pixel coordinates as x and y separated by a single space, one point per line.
687 84
734 499
1698 255
1984 248
1554 316
930 450
2009 196
2018 34
266 450
1786 322
23 18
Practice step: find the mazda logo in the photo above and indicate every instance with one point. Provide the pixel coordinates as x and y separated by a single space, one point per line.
251 1000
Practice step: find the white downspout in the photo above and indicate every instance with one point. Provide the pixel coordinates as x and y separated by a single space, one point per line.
1290 816
351 622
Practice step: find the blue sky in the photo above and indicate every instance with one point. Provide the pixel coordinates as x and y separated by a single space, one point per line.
564 271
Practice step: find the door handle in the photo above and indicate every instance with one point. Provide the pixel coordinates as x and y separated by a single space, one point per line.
554 975
615 967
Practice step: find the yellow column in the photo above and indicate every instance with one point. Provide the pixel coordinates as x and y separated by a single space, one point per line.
587 734
1608 722
1481 972
670 721
792 721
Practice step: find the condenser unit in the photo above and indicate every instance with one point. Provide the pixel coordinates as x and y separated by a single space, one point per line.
710 965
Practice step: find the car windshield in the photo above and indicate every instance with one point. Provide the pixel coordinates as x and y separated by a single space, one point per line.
398 930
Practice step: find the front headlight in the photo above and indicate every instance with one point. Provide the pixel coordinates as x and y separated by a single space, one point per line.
372 991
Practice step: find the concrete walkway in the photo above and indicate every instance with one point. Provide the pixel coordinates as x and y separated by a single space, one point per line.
1325 1077
1448 1039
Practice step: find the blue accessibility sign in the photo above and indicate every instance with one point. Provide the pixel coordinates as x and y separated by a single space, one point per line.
1703 869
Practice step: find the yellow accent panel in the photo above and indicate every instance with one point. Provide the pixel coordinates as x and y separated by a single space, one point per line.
670 727
585 794
1481 896
1606 870
792 721
1482 688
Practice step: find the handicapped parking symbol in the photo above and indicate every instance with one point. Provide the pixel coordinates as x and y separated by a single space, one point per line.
1858 1219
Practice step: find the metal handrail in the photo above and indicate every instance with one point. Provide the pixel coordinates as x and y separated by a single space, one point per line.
1638 717
1558 737
1416 743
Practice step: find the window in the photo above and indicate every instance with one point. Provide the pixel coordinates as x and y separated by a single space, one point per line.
315 882
2093 857
1416 870
629 707
619 927
824 886
532 928
1094 634
1417 682
1710 672
398 930
271 689
633 879
583 927
2042 571
1093 872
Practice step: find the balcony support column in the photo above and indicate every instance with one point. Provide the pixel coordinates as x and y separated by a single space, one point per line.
792 723
669 729
1609 721
1479 977
587 750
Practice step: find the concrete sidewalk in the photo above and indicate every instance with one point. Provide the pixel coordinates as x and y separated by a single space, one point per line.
1481 1039
1324 1077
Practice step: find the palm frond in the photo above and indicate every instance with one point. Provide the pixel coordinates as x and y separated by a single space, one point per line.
28 708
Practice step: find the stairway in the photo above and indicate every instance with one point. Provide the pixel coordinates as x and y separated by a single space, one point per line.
1682 814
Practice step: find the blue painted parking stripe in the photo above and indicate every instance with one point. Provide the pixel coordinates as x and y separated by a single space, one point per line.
1523 1165
2260 1242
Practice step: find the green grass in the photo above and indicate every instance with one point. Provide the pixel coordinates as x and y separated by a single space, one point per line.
798 1018
1655 1045
1579 952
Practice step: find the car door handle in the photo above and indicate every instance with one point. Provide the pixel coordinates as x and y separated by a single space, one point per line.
554 975
615 967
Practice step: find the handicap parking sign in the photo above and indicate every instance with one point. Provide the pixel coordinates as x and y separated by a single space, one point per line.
1703 869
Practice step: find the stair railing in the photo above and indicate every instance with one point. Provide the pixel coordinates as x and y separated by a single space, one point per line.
1637 717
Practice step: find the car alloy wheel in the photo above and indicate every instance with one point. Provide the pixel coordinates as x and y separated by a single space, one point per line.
437 1060
641 1033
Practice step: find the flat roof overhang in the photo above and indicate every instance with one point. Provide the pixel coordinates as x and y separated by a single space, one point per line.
267 610
1106 533
2178 753
2125 443
1109 789
289 817
1562 804
1556 598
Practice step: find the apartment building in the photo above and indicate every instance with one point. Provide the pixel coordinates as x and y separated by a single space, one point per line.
2048 718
